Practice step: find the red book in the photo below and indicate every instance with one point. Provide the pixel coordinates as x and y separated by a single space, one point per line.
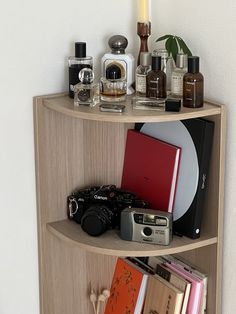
151 169
128 289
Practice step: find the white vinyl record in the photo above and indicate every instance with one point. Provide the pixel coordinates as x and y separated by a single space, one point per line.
175 133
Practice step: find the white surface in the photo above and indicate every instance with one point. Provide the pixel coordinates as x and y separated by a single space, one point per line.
208 27
176 133
36 39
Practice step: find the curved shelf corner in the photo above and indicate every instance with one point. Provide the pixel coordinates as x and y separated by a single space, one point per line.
110 243
63 104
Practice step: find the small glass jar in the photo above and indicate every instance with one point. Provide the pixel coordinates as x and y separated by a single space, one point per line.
86 92
113 88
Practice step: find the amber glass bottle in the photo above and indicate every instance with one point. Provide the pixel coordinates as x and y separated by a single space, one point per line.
156 80
193 85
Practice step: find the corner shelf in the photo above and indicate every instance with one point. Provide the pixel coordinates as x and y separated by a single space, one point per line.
78 147
110 243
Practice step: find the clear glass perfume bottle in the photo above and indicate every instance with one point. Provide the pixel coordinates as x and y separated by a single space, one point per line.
86 92
178 74
141 74
76 64
113 88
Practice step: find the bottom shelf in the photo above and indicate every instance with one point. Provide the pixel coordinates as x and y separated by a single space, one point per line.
111 244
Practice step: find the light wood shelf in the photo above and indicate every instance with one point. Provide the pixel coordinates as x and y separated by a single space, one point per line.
78 147
111 244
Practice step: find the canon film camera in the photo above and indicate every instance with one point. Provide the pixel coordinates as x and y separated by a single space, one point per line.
146 225
98 208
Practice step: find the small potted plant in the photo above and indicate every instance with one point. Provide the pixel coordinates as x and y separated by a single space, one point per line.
174 45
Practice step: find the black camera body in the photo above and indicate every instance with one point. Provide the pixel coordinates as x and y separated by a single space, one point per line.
98 208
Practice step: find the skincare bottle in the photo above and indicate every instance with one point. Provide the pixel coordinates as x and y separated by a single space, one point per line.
156 80
86 92
117 56
193 85
77 63
113 87
141 74
178 74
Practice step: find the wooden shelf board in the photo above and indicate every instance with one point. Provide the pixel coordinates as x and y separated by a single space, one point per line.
63 104
110 243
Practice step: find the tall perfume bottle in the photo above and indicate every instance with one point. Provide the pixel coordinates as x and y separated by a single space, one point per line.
156 80
167 66
77 63
193 85
86 92
117 56
113 87
178 74
141 74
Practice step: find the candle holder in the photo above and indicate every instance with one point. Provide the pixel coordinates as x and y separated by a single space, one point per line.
143 31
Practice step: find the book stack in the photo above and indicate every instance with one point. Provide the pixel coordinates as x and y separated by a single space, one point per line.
163 285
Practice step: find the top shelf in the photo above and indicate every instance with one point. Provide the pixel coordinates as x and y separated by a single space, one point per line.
63 104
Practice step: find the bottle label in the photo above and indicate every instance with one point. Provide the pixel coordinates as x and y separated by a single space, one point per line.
141 83
120 63
177 84
190 92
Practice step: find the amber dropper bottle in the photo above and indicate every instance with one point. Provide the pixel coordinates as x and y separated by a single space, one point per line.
193 85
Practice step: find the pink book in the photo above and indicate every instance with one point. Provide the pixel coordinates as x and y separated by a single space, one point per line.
197 288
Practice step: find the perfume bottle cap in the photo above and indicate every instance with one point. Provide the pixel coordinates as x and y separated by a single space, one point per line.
145 58
118 44
80 49
156 63
181 60
193 64
86 76
113 72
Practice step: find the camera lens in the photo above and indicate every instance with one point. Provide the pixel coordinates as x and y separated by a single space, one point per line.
97 219
147 231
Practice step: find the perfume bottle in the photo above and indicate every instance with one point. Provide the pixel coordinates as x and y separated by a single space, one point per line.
178 74
77 63
167 66
113 87
193 85
141 73
156 80
86 92
117 56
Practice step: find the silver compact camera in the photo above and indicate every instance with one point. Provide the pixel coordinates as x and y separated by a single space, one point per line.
146 225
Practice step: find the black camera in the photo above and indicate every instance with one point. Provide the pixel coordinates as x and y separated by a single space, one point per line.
98 208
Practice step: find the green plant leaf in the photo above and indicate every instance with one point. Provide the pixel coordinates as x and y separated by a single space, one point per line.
183 46
168 44
174 48
163 38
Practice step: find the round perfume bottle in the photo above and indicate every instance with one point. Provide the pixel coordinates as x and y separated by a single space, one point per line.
113 87
85 92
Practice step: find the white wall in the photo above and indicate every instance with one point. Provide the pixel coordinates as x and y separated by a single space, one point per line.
209 28
36 38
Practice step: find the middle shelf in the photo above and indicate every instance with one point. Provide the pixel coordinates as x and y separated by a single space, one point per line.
110 243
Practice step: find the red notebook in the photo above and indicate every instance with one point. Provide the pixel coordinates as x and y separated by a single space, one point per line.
151 169
128 289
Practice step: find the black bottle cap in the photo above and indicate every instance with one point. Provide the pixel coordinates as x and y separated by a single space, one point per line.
172 105
193 64
80 50
156 63
113 72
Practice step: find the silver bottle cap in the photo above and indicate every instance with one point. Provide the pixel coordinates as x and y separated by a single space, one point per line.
181 60
145 58
118 43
